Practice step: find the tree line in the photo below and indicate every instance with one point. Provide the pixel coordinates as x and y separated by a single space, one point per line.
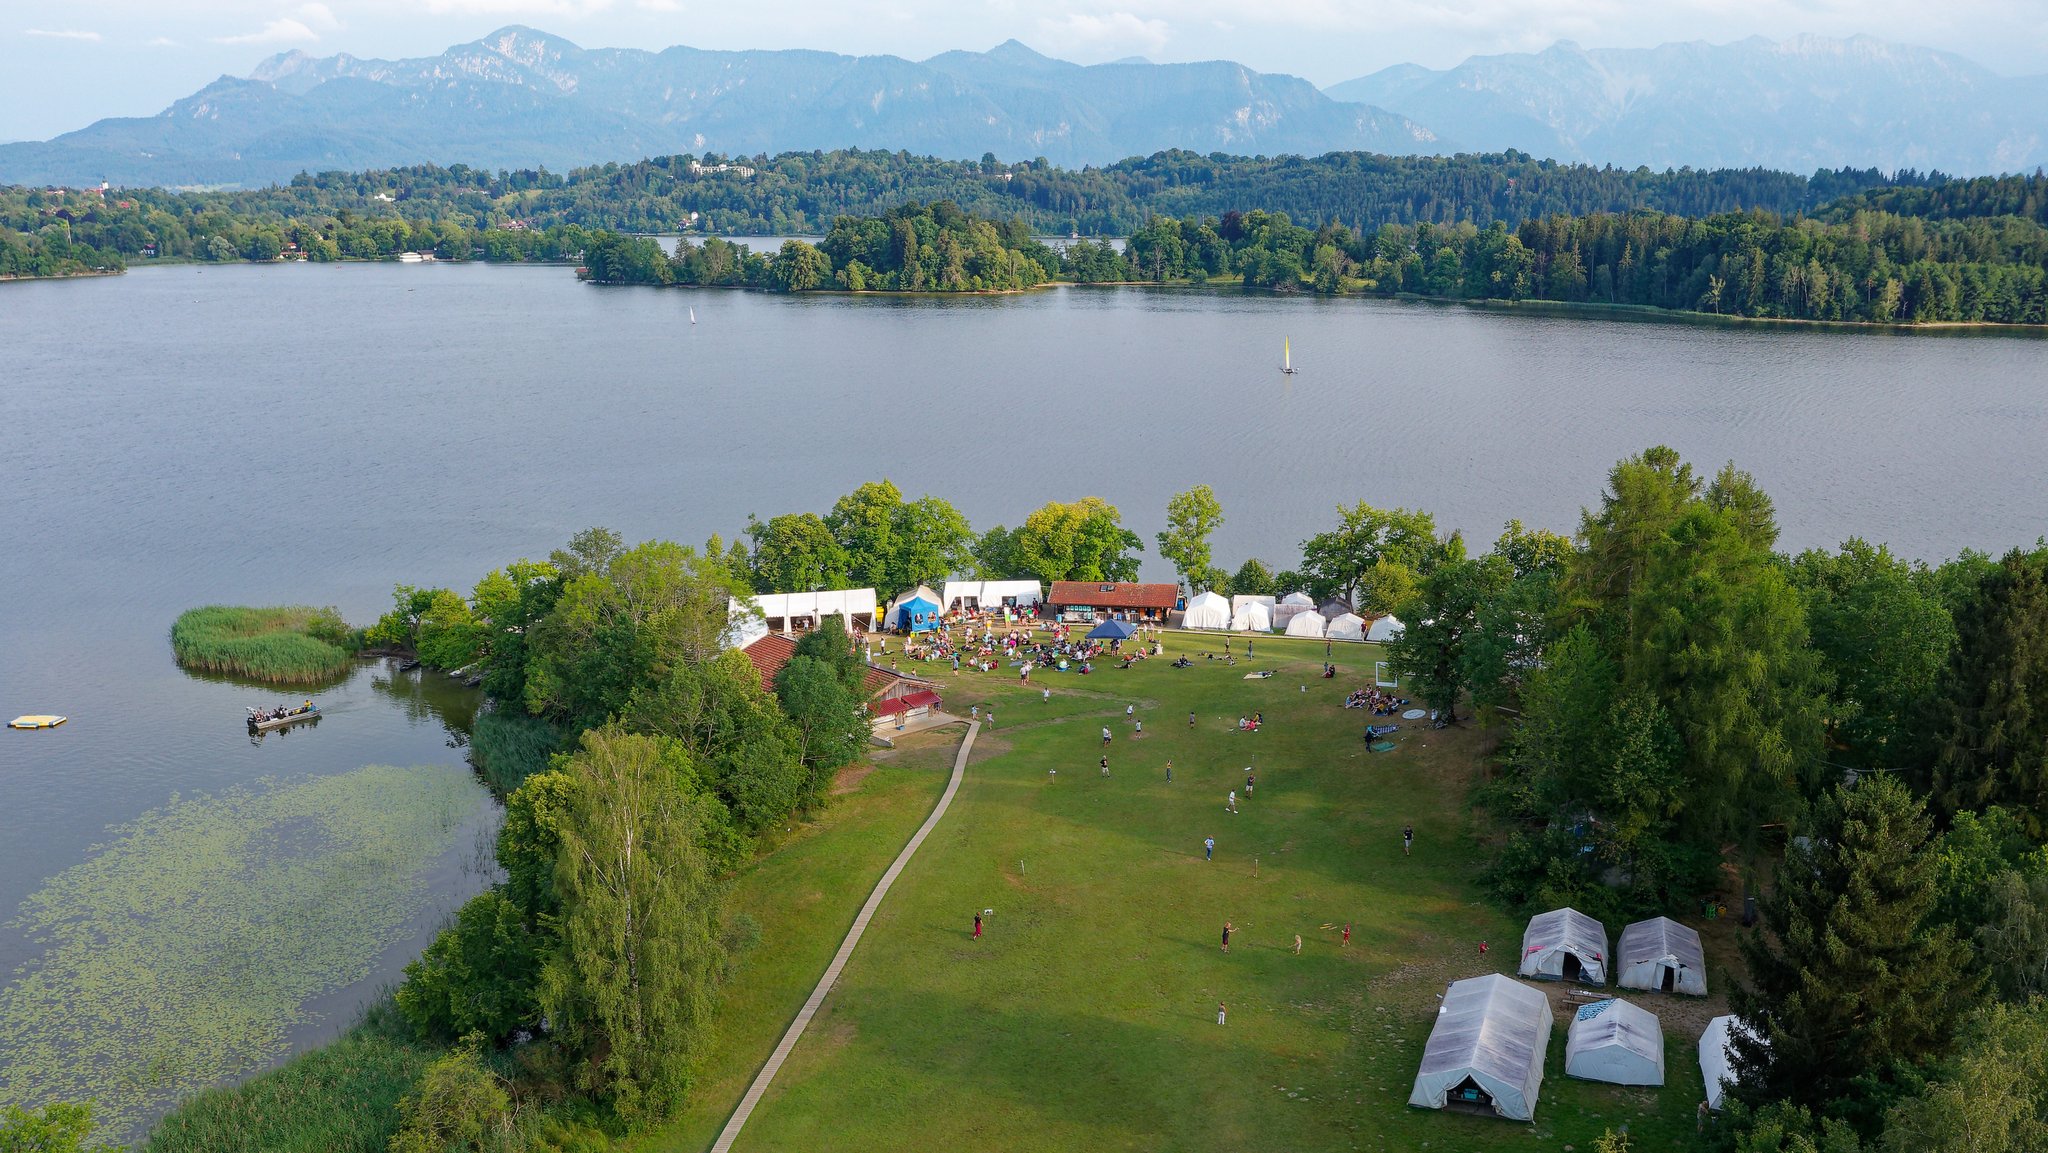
461 212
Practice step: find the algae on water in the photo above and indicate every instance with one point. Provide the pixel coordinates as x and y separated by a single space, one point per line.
182 952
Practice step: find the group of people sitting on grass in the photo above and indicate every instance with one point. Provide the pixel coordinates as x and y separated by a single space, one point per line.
1382 704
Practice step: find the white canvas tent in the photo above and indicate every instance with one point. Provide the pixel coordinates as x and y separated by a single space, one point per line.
1307 623
1207 611
991 594
1291 606
1661 954
1616 1042
1251 617
1716 1065
1486 1049
1346 627
1385 628
798 613
1565 944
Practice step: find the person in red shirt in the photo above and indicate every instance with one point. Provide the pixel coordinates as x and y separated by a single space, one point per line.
977 926
1347 934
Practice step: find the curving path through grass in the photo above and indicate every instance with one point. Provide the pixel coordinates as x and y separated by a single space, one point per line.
766 1076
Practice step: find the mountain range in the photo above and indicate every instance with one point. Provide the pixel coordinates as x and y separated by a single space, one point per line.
520 98
1801 104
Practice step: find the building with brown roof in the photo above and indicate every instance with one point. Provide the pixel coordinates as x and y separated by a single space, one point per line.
890 694
1092 600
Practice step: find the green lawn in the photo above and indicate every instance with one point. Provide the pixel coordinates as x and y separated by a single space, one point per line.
1086 1018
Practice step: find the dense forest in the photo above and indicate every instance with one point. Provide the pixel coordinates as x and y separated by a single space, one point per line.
1910 249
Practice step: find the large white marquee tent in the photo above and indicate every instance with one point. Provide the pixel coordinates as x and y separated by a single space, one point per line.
1307 623
798 612
991 594
1661 954
1251 617
1346 627
1616 1042
1386 628
1565 944
1486 1049
1207 611
1289 607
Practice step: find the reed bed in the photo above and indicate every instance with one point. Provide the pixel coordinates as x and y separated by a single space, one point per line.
287 644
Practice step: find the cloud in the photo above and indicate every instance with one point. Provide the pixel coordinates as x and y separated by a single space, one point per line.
64 34
318 17
1113 30
160 42
281 31
658 5
570 8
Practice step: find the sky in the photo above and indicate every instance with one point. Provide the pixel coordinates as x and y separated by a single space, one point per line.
66 63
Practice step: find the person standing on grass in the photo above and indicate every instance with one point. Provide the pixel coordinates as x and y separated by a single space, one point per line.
1047 698
1105 734
1347 935
1226 936
977 927
1208 848
1407 839
990 718
1297 942
1249 780
1219 1012
1191 720
1105 766
1231 802
1140 730
975 712
1169 772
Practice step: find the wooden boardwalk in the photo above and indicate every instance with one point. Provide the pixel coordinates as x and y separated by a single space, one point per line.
762 1079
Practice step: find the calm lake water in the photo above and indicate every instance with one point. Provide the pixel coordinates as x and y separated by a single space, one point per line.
182 436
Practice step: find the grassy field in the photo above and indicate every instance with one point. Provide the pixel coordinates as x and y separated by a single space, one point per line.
290 644
1086 1018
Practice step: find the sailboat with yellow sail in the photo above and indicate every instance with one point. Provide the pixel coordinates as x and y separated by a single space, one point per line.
1287 357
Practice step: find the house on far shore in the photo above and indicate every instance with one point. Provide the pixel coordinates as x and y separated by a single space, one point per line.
890 695
1094 600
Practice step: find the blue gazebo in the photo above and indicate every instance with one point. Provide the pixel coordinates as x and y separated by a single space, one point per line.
1113 630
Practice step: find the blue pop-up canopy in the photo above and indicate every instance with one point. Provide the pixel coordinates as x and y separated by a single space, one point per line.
1113 630
917 615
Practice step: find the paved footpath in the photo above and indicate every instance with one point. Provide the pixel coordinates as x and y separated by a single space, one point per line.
762 1079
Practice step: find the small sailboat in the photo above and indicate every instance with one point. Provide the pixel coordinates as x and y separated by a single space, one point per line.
1287 357
693 316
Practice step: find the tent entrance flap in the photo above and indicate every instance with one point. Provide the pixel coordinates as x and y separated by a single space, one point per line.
1468 1095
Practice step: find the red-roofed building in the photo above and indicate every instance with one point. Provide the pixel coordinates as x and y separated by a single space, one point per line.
1128 601
890 694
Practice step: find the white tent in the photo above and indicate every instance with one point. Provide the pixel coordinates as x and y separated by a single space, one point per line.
990 594
1346 627
1565 944
1207 611
1251 617
1291 606
1385 628
1716 1066
1616 1042
798 612
1307 623
1486 1049
1661 954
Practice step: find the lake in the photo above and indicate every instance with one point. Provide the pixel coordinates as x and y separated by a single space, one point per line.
297 433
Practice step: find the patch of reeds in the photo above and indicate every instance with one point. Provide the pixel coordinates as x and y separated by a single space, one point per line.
341 1096
507 748
288 644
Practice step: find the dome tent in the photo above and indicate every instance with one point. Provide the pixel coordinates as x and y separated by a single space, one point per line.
1385 629
1299 600
1565 944
1486 1049
1346 627
1252 617
1661 954
1616 1042
1307 623
1207 611
1716 1069
916 611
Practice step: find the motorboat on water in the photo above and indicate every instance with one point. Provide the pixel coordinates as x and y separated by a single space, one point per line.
263 720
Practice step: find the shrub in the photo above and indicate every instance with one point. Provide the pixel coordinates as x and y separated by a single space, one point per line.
507 748
459 1105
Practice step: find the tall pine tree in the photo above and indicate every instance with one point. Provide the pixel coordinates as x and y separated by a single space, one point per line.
1849 977
1995 749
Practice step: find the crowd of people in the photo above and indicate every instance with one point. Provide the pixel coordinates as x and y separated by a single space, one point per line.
1382 703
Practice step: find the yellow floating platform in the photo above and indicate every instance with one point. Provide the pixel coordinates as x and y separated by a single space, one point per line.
37 721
